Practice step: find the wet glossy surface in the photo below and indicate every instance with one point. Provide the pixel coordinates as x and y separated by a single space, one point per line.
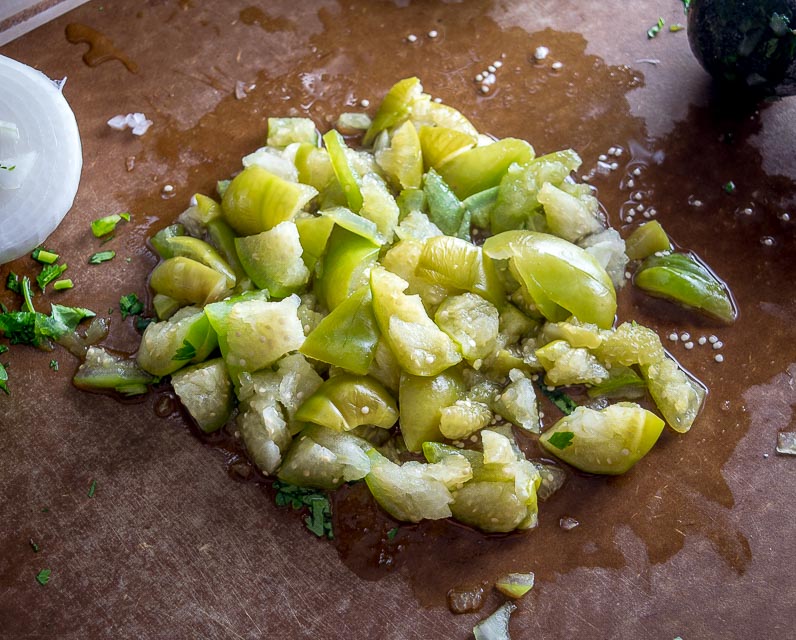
695 541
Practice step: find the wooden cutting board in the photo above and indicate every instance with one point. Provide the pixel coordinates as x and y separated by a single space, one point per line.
696 541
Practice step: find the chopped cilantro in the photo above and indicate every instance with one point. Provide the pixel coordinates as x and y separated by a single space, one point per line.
44 256
102 256
729 187
27 294
655 29
7 168
186 352
34 546
107 224
130 305
49 273
319 520
13 283
142 322
4 380
674 28
392 533
43 577
561 439
92 488
686 5
3 348
32 327
54 365
60 285
566 404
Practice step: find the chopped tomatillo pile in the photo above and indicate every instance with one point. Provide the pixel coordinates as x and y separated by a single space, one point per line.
389 314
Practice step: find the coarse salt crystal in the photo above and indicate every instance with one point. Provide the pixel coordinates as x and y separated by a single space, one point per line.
541 53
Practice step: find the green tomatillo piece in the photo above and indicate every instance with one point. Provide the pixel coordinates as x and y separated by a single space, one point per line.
347 401
682 278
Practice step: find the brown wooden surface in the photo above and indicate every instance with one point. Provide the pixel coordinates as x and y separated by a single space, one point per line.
696 541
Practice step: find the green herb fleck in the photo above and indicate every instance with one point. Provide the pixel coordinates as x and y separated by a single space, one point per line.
3 348
27 295
54 365
561 439
130 305
44 256
34 546
43 576
60 285
674 28
102 256
7 168
566 404
92 488
392 533
142 322
45 510
686 6
4 380
13 283
319 520
655 29
729 187
34 328
104 226
186 352
49 273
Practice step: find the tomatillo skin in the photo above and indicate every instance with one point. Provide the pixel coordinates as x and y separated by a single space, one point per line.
559 274
681 278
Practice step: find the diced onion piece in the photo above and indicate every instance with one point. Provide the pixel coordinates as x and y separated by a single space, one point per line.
47 128
496 626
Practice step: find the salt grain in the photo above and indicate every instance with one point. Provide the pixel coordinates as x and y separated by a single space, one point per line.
411 37
556 66
433 33
718 357
541 53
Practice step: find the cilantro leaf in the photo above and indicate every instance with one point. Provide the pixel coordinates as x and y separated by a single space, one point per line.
13 283
561 439
186 352
32 327
54 365
4 380
566 404
142 322
92 488
102 256
19 327
130 305
63 320
319 520
392 533
43 577
49 273
107 224
655 29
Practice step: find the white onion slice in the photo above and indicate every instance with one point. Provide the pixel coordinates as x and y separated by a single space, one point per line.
49 142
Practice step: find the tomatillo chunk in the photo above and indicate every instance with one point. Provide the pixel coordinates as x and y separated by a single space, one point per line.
483 167
201 251
560 277
682 278
188 281
186 337
325 458
646 240
257 200
272 259
395 107
346 401
403 160
205 390
419 345
348 336
609 441
345 266
440 144
422 400
346 176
